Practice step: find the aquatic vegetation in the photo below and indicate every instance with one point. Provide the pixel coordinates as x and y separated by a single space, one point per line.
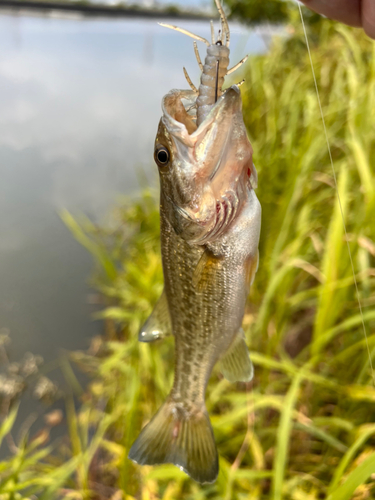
305 425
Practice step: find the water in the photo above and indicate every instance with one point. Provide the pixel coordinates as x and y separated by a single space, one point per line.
80 104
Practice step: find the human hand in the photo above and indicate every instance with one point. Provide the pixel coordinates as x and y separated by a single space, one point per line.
352 12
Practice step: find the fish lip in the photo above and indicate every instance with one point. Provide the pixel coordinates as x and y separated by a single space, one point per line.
173 126
230 99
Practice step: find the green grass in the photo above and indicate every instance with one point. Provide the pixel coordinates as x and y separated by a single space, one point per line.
304 428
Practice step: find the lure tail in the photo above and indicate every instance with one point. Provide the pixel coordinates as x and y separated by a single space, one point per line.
183 438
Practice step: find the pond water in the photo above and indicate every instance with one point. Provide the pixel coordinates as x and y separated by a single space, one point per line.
80 104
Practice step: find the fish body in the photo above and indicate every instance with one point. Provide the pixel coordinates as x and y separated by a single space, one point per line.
210 226
207 316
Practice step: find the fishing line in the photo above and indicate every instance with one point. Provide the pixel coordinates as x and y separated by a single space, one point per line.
250 431
337 191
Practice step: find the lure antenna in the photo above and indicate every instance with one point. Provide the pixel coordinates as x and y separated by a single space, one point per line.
185 32
192 86
212 32
237 65
197 55
224 23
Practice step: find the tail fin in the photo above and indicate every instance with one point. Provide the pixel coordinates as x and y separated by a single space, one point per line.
183 438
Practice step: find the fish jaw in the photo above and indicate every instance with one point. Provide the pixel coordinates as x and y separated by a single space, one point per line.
207 178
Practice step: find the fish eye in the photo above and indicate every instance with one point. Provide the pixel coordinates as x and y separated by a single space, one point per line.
162 156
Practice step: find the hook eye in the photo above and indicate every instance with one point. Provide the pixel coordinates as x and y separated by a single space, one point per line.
161 156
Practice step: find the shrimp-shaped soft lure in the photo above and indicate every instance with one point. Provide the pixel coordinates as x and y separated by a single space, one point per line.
215 66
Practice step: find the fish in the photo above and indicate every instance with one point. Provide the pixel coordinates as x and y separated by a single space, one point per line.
210 220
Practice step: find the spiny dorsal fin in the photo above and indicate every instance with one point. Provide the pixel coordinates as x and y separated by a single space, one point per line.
158 325
236 365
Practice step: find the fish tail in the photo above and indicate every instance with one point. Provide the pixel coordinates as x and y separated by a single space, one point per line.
183 438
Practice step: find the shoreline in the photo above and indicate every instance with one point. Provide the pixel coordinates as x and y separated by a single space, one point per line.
96 10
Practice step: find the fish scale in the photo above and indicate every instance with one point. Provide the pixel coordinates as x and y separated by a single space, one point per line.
196 346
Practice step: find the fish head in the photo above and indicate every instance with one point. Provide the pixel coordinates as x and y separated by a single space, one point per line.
206 171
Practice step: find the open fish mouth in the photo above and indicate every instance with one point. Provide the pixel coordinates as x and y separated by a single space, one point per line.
180 112
214 159
220 140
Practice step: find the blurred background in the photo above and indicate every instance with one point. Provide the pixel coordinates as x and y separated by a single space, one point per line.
80 91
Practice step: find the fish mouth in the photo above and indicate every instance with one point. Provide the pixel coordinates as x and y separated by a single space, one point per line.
215 157
208 146
180 112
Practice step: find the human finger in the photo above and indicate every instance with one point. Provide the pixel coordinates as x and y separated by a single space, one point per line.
346 11
368 17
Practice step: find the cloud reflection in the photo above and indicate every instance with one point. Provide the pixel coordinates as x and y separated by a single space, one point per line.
80 104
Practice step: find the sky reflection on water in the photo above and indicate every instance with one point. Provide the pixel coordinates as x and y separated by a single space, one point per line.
80 103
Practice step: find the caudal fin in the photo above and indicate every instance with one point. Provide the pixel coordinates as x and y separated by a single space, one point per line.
181 438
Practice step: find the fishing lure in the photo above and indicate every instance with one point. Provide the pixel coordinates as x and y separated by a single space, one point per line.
215 66
210 226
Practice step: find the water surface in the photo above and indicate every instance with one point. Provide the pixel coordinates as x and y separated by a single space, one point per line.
80 104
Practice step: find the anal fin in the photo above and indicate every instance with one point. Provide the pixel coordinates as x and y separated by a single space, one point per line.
158 324
236 365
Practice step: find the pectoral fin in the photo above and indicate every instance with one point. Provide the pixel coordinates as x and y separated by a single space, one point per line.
158 324
236 365
251 267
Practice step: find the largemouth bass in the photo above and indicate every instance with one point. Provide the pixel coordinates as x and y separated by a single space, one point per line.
210 225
